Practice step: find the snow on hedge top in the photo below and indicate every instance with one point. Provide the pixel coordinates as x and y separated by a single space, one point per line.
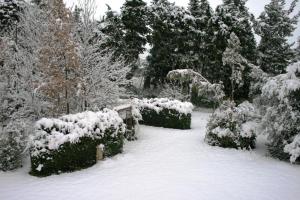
280 86
51 133
158 104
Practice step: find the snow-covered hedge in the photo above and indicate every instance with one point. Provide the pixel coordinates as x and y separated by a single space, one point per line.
165 112
69 143
231 126
281 114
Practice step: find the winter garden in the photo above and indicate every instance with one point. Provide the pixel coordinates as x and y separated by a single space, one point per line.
156 101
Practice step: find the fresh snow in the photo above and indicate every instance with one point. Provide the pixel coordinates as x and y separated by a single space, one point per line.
52 133
158 104
166 164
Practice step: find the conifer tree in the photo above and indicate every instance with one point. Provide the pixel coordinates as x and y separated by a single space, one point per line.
202 46
275 25
233 16
134 19
113 35
168 40
59 61
236 61
9 14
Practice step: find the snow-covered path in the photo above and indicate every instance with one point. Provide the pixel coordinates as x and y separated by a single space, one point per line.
166 164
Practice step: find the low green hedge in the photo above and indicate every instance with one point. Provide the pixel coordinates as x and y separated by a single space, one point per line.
167 118
70 142
75 156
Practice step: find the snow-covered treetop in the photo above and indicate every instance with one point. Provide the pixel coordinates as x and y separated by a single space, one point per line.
158 104
51 133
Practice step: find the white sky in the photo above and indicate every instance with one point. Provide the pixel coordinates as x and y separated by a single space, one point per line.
255 6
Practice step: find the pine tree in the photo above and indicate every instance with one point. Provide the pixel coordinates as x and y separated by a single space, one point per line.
111 28
236 61
134 19
59 60
168 40
233 16
202 46
275 25
9 14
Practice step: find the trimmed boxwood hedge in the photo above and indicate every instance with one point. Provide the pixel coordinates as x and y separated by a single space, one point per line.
167 118
75 156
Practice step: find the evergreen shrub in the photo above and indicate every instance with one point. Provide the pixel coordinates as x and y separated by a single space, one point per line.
229 127
69 143
165 113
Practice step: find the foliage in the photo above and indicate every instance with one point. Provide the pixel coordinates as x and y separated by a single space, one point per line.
9 15
236 61
275 25
165 113
233 17
281 115
200 90
134 19
69 143
231 126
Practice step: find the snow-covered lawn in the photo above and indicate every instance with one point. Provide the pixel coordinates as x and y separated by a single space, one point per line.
166 164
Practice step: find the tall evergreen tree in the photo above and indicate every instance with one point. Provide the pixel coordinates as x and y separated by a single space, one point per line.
168 40
233 16
111 28
134 19
237 63
202 45
275 25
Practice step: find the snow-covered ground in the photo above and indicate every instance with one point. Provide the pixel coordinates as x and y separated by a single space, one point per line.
166 164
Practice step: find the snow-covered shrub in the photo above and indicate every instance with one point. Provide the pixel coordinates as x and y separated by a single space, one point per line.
207 94
173 91
281 114
202 92
231 126
258 80
12 145
69 143
165 112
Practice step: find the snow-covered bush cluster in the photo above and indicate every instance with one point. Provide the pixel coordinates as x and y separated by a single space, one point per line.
281 113
50 134
202 92
158 104
231 126
165 112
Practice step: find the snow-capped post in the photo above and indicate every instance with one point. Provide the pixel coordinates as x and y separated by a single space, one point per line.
75 142
165 113
126 113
